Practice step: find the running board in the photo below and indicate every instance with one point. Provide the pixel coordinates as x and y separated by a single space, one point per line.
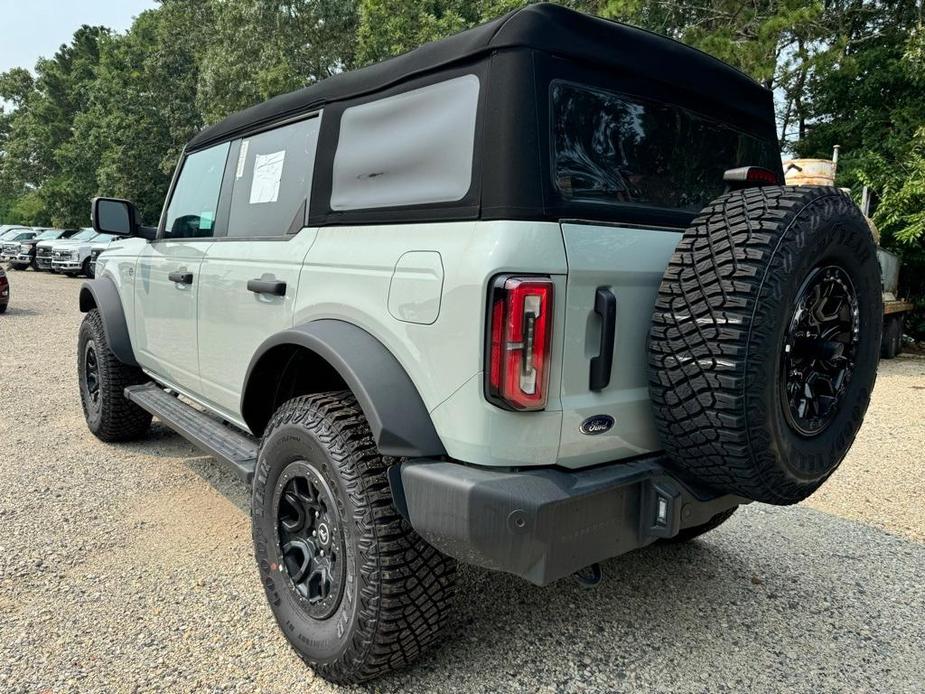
235 450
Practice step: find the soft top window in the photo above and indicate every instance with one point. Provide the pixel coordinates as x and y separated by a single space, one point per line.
612 148
413 148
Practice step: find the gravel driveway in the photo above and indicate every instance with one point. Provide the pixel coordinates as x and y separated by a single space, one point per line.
128 567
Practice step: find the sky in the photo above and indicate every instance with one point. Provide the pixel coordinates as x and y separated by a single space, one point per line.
30 29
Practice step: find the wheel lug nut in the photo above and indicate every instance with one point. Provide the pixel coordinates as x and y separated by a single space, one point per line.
314 533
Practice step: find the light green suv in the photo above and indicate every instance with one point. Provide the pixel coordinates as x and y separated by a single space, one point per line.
528 297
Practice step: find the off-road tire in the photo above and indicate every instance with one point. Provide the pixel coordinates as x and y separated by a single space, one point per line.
688 534
19 266
85 269
716 344
112 417
398 589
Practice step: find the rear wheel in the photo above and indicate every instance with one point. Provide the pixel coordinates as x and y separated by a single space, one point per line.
764 342
354 589
103 380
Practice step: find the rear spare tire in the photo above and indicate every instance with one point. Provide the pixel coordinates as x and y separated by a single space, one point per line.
764 342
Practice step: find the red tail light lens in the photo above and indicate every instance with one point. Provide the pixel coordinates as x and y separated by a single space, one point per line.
520 327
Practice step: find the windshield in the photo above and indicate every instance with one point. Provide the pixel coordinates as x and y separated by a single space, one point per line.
614 148
11 234
48 234
84 235
103 239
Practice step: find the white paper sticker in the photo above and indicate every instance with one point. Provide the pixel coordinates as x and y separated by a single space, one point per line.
268 171
242 159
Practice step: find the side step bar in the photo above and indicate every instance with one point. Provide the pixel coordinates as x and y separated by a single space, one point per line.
236 451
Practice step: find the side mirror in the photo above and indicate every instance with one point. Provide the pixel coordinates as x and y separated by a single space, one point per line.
119 218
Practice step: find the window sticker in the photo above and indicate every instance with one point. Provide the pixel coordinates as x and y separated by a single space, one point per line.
268 171
242 159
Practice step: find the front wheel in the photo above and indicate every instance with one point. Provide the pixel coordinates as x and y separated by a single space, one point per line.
103 380
354 589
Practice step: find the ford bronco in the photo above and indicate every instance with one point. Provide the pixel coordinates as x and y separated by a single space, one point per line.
528 297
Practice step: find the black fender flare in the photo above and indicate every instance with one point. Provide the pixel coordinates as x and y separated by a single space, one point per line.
399 420
103 295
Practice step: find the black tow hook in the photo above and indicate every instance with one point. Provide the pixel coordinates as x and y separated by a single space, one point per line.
590 576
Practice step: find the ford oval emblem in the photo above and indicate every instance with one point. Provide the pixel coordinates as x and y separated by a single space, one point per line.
598 424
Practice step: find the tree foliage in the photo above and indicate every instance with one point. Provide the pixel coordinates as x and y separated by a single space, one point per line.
109 113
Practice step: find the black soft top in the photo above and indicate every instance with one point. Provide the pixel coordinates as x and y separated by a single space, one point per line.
551 29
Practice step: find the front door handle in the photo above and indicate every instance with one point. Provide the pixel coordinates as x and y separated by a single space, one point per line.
605 305
181 277
261 286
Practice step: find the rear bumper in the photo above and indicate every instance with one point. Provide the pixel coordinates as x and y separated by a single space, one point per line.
544 524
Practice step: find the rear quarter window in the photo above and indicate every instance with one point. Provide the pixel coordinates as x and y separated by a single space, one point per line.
413 148
612 148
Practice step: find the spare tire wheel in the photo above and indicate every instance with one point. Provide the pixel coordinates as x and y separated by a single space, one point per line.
764 342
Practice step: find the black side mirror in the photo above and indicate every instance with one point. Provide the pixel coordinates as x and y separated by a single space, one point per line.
119 218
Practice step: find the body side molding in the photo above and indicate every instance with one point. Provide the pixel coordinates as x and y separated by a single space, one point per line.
102 294
397 416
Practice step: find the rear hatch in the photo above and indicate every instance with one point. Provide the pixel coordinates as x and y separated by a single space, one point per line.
654 164
621 267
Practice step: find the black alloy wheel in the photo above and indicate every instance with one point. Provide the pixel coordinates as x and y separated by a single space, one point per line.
310 539
92 376
820 350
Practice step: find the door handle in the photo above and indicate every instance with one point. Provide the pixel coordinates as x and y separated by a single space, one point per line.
605 305
261 286
181 277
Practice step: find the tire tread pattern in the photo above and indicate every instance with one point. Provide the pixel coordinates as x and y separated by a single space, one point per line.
121 419
719 297
407 586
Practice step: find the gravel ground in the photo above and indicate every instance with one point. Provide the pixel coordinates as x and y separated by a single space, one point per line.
128 568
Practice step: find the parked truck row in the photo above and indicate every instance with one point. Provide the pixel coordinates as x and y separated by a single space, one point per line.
70 252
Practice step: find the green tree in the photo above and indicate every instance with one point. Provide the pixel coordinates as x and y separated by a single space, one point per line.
260 48
42 120
139 113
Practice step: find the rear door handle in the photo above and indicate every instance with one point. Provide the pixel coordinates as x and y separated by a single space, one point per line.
261 286
181 277
605 305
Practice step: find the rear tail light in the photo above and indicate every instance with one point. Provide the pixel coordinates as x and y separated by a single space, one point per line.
746 176
519 330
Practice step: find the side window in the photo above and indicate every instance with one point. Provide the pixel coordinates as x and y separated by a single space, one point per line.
273 179
409 149
191 213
